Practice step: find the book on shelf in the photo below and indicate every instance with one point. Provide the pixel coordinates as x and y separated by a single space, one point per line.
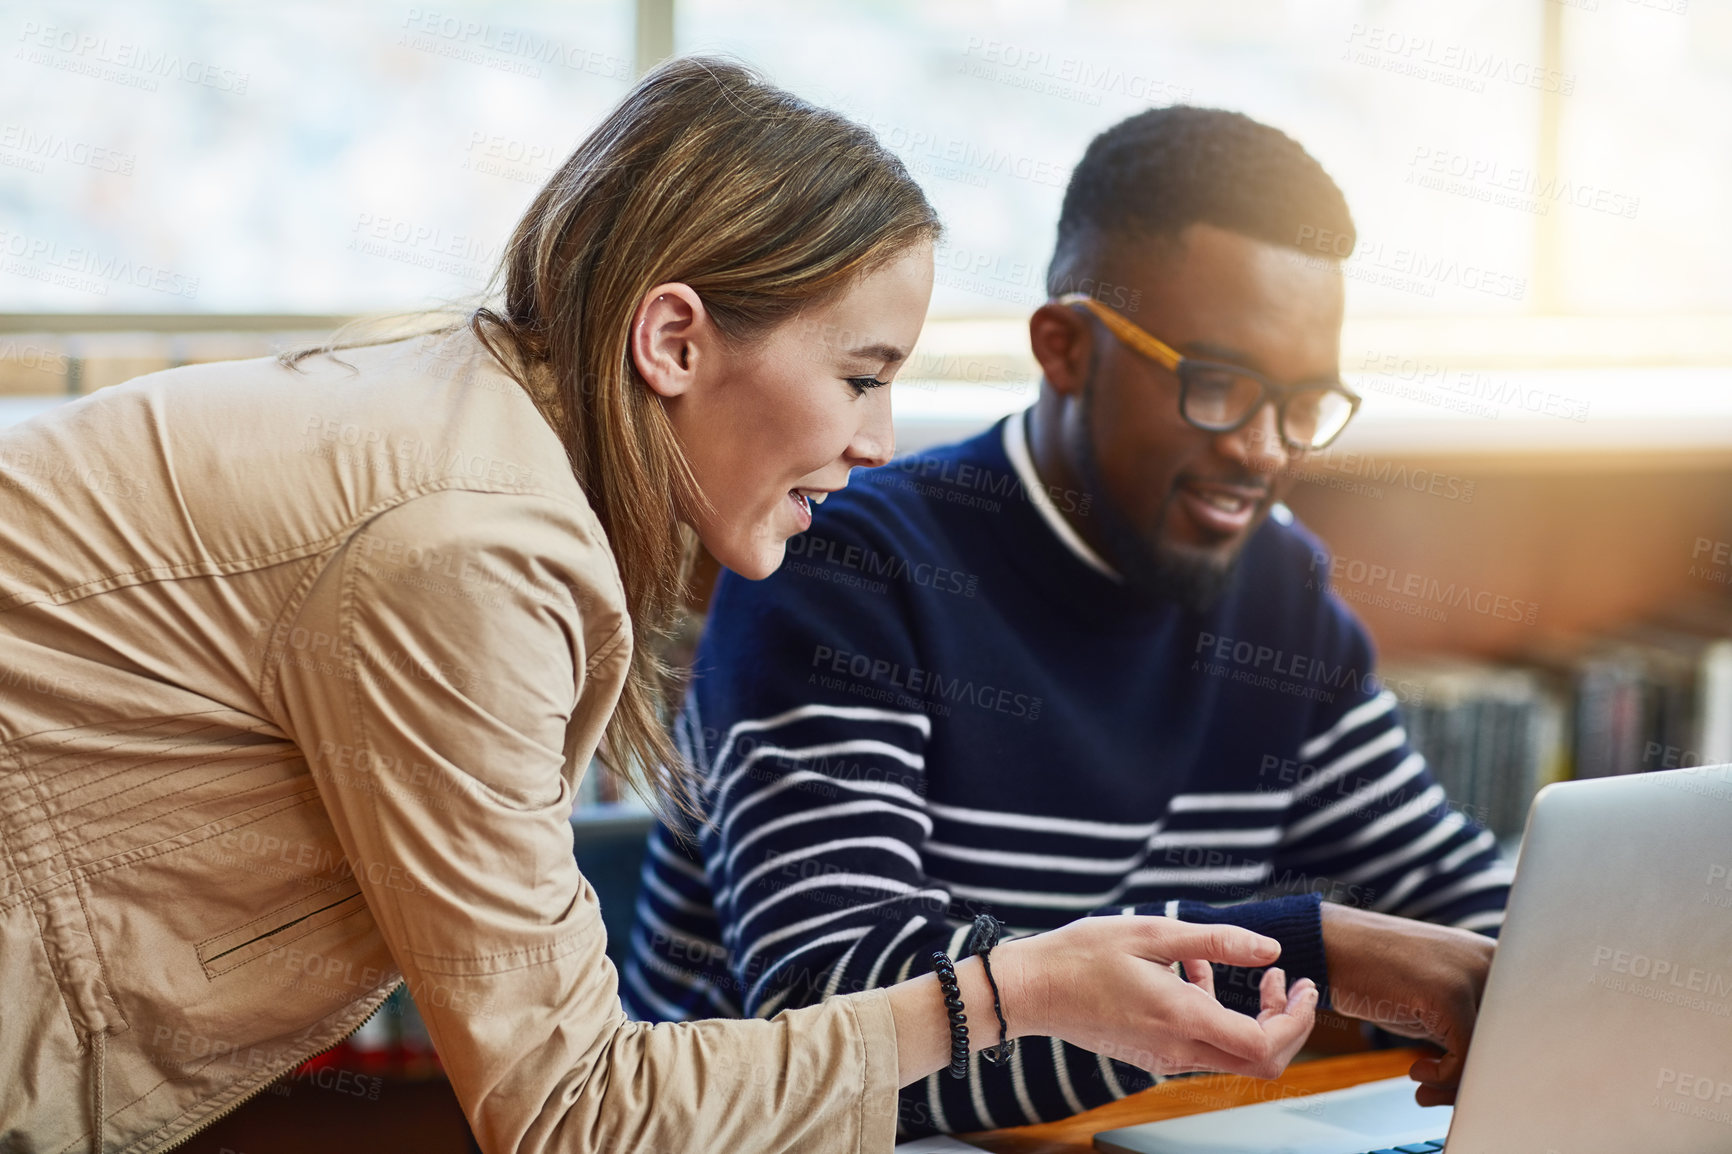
1653 694
1491 735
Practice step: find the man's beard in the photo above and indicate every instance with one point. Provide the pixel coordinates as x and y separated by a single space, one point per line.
1158 571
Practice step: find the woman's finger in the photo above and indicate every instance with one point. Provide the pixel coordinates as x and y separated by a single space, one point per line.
1200 1056
1209 1022
1170 940
1272 993
1289 1028
1200 974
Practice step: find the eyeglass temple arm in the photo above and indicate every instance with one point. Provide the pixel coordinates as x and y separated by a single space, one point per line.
1156 350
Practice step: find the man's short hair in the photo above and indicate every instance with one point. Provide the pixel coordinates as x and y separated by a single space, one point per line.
1152 175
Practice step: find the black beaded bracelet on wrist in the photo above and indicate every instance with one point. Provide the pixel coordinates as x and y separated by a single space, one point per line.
946 971
981 939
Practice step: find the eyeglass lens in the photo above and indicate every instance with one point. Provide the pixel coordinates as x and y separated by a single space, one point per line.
1217 397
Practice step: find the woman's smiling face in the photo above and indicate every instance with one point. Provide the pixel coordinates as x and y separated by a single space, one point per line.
771 428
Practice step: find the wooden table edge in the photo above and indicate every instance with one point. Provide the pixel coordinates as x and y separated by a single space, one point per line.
1178 1097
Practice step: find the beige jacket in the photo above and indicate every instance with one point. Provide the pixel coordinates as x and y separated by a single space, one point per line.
298 674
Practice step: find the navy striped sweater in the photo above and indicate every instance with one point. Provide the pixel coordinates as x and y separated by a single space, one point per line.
944 702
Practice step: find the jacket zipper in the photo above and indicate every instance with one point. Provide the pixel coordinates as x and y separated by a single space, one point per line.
207 1123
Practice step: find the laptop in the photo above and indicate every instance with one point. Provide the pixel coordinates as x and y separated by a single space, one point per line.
1606 1024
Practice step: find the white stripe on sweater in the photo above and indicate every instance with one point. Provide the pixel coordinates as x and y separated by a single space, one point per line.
1382 827
768 1009
687 941
1406 770
919 721
1447 827
888 844
1491 876
1114 1086
846 880
1063 1071
643 959
1043 862
824 813
1267 799
1419 875
663 853
800 927
671 898
634 976
1354 718
1265 835
1043 823
861 745
1019 1085
1386 742
840 968
908 927
801 776
1484 920
1048 900
977 1094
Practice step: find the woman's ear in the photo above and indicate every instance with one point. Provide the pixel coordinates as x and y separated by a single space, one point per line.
670 335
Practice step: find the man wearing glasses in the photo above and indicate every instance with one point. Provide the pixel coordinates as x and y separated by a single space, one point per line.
1083 664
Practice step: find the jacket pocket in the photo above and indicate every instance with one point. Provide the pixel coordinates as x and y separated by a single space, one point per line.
270 931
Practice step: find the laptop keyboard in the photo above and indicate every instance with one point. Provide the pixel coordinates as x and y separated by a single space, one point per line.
1413 1148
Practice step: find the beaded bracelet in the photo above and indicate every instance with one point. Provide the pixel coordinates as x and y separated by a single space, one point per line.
981 939
946 971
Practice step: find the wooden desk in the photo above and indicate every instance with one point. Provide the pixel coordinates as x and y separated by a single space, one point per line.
1183 1096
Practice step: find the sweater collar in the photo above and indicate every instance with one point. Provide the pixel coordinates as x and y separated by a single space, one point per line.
1022 460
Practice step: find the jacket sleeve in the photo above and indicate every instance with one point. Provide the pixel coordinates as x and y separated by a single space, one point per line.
458 662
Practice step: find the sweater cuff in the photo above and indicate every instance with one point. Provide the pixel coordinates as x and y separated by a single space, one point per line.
1296 922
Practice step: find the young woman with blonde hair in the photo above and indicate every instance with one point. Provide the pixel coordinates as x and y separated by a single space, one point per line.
303 661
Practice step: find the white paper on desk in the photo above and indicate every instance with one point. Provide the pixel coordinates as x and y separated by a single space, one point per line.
937 1144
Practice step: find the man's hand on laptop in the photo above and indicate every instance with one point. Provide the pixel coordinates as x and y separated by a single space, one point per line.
1412 978
1107 984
